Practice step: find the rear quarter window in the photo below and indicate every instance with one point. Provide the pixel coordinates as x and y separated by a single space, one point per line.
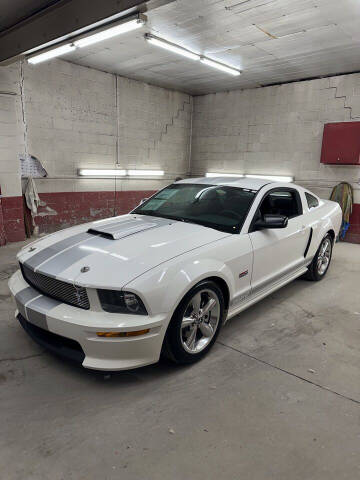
311 200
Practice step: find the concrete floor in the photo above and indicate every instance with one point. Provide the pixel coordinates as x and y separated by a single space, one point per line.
277 398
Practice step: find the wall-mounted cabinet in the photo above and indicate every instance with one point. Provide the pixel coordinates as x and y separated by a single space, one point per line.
341 143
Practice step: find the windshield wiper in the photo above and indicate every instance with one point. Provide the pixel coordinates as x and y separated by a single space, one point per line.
214 226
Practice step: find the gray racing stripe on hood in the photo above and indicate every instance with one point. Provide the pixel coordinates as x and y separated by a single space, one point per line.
94 244
122 226
64 260
54 249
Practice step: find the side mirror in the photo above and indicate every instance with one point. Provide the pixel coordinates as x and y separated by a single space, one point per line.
143 200
271 221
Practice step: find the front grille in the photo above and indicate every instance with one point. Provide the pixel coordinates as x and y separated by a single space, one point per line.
62 291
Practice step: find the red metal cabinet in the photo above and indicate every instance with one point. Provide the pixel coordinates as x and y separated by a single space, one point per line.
341 143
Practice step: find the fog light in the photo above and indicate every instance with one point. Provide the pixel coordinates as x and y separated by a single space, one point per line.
123 334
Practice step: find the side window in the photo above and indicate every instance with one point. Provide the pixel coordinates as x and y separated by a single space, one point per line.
279 202
311 200
282 202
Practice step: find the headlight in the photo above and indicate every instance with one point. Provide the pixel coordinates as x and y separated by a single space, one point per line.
116 301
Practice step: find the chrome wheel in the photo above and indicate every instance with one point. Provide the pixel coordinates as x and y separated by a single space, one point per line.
323 258
200 321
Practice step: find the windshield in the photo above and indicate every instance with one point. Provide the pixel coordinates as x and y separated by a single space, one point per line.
216 206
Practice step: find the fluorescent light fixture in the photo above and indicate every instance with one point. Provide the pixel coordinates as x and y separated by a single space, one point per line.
145 172
90 38
55 52
110 32
220 66
171 47
275 178
89 172
214 174
97 172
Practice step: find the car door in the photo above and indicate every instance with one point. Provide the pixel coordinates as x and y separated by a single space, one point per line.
278 252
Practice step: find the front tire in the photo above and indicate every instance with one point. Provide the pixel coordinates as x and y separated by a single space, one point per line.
195 324
321 262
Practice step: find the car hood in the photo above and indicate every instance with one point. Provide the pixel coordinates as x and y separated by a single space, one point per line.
110 253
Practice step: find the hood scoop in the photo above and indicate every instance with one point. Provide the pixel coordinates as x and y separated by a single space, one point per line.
118 230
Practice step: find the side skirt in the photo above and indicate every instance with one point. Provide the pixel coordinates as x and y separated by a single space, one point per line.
252 299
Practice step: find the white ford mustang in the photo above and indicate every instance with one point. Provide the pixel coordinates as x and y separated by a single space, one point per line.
116 293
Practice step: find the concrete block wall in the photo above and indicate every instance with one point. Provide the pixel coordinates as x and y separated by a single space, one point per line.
71 117
70 120
154 127
11 129
11 145
76 117
277 130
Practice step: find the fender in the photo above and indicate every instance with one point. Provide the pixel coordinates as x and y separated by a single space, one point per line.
163 287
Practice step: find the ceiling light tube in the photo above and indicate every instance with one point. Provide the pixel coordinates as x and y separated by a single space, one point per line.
94 172
134 173
275 178
171 47
90 38
55 52
220 66
110 32
214 174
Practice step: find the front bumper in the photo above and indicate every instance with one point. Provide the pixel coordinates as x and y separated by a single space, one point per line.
68 322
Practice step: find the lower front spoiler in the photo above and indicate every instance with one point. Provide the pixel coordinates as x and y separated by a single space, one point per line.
71 332
57 344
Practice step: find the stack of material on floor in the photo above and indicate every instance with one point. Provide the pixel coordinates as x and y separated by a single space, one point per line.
343 195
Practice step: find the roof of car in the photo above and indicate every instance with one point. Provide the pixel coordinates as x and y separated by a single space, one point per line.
241 182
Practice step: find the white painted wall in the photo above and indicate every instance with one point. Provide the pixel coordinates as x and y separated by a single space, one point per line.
77 117
11 131
71 116
275 130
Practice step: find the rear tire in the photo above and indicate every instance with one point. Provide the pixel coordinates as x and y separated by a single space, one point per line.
195 324
321 261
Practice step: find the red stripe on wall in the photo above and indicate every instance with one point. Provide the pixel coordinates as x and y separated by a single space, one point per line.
66 209
2 229
13 219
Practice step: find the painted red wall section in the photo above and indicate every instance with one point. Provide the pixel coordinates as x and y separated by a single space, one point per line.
13 218
353 234
65 209
72 208
2 230
126 201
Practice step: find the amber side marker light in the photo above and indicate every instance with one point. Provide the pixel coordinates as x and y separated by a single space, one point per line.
123 334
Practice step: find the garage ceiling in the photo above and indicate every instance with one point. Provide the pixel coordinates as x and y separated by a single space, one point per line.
272 41
17 10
